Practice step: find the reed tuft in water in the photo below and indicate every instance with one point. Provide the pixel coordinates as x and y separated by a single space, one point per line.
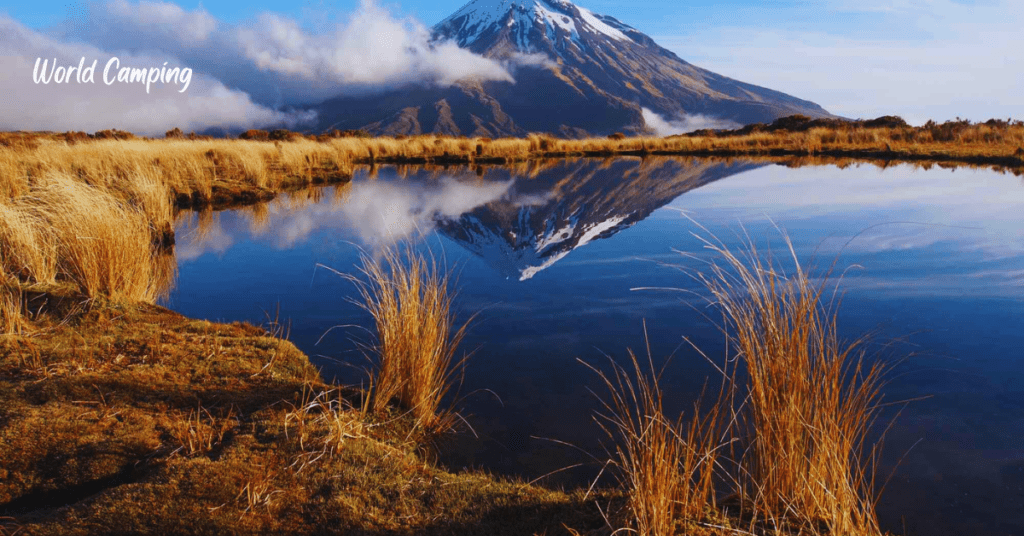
667 467
409 297
810 397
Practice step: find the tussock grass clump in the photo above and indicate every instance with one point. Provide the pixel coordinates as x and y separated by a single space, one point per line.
11 320
668 468
29 248
66 230
200 432
811 398
322 423
409 298
105 246
201 171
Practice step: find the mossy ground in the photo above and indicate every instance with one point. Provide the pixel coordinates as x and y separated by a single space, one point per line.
134 419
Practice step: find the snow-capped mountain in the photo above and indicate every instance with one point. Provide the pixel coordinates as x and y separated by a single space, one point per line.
576 73
566 206
482 19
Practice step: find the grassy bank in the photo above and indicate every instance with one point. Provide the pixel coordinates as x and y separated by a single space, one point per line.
120 416
133 419
198 172
112 407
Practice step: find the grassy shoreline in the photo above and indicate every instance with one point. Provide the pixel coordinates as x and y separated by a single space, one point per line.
112 404
121 417
132 418
200 172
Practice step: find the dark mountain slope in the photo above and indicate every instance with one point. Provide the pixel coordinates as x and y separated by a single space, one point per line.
576 73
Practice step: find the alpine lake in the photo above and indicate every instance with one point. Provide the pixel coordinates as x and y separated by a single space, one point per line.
577 261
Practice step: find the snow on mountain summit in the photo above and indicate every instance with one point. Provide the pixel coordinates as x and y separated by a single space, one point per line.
483 17
576 74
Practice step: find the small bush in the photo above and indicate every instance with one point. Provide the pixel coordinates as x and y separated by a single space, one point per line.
283 135
113 134
254 134
72 138
792 122
886 121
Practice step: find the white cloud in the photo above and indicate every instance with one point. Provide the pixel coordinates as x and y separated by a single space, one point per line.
161 17
97 106
536 59
383 212
684 124
244 74
277 61
373 212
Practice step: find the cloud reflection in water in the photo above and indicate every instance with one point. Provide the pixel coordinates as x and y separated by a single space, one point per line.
371 213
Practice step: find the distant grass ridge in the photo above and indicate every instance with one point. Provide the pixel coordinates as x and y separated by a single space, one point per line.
203 171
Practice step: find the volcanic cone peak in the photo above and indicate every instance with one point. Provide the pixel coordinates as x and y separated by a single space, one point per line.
576 73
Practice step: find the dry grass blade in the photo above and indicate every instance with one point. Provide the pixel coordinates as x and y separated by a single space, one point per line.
258 492
11 320
9 526
811 397
667 467
322 423
409 298
197 435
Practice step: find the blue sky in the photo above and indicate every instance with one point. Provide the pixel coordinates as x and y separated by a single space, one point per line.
655 17
922 59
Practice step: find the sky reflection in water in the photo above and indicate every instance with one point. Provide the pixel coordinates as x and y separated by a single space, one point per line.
934 258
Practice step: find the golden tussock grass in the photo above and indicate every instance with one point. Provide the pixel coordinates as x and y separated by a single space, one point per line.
11 320
810 398
786 436
200 432
322 422
29 249
204 171
66 230
667 467
409 298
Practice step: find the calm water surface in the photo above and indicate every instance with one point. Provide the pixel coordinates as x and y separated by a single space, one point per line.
548 254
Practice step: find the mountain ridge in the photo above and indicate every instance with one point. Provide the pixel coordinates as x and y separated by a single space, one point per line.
577 73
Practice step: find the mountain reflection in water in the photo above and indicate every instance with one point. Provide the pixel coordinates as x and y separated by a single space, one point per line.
932 263
519 221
